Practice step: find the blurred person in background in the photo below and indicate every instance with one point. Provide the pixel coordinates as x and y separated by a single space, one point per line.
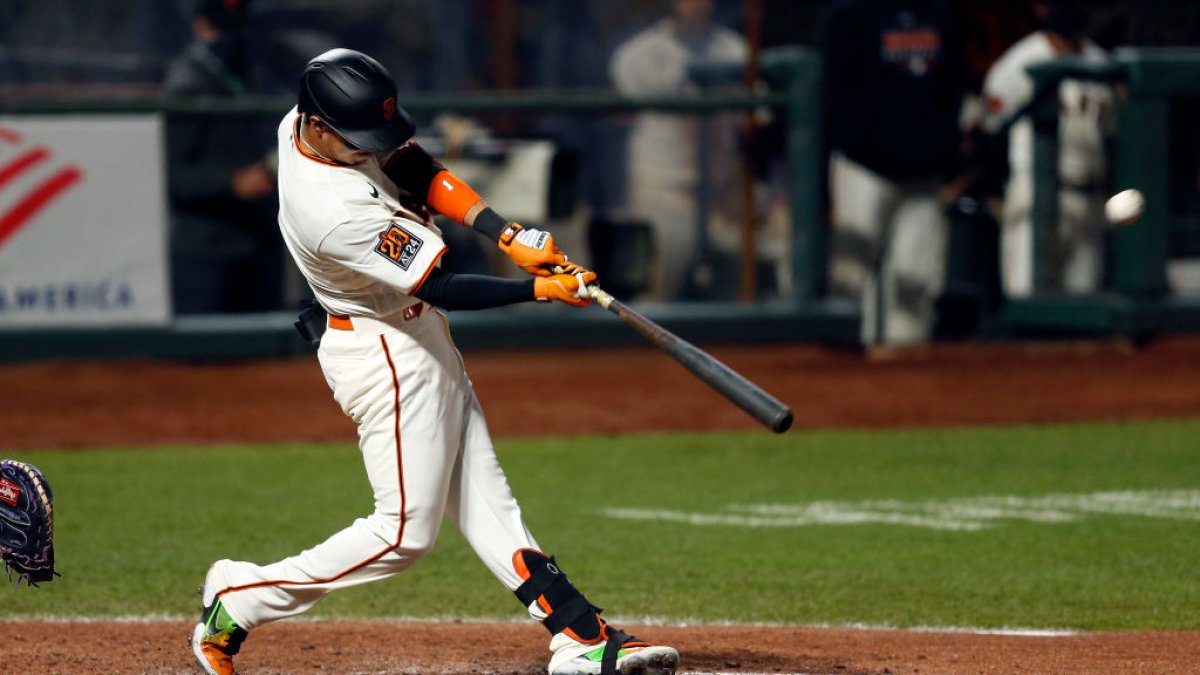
226 254
671 155
894 84
1166 23
1076 257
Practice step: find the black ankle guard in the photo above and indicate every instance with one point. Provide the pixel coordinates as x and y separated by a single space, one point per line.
235 641
568 607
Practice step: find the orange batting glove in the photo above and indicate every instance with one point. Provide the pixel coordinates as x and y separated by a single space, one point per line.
531 249
568 288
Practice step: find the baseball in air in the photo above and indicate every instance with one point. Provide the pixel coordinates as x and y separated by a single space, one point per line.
1124 207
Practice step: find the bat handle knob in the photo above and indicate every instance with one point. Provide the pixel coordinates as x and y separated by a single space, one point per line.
598 294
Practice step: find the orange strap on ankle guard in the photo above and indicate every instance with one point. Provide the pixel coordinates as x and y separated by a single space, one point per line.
566 608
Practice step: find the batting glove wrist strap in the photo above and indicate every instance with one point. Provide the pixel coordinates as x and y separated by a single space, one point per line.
494 226
532 250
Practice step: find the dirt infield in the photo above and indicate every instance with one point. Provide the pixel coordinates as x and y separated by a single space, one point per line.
427 648
148 403
64 405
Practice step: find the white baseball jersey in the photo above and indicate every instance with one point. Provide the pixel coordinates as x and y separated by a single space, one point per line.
395 372
655 62
360 250
1084 118
1075 261
664 148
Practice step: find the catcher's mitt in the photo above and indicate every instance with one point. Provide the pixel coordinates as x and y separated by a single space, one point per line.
26 523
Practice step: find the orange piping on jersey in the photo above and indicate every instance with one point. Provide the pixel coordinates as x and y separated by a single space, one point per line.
413 290
451 197
304 151
387 353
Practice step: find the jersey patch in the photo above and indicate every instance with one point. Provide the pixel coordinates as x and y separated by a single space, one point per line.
399 246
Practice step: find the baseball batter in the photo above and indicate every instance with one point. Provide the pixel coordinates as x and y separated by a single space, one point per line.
355 195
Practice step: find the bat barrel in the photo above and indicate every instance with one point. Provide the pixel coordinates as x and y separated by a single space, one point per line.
768 410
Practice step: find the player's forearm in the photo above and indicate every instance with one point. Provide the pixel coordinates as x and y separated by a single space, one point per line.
418 173
451 291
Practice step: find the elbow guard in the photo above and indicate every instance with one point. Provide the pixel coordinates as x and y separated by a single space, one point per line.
450 196
418 173
412 170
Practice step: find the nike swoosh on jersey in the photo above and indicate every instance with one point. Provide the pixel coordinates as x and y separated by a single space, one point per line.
374 192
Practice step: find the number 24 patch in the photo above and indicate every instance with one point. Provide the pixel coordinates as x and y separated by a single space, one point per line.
398 245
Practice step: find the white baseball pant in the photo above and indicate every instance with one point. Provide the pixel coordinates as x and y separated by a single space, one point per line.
889 251
1075 258
427 452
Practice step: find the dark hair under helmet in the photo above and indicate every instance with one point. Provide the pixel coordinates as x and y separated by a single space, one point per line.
356 96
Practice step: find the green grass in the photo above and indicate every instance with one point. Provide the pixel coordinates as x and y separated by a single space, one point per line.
137 528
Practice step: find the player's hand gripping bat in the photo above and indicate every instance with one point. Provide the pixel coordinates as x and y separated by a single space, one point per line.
767 409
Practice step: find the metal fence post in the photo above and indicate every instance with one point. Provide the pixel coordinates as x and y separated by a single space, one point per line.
804 177
1044 115
1143 162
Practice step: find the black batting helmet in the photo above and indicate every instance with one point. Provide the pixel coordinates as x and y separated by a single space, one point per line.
356 96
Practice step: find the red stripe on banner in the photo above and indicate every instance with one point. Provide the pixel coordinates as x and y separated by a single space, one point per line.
20 164
35 201
9 136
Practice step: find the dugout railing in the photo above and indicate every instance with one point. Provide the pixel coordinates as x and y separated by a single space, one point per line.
1136 300
801 317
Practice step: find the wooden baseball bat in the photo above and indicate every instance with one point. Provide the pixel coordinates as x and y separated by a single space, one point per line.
767 409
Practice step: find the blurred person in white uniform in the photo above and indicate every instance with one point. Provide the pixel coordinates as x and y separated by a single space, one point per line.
665 152
1076 257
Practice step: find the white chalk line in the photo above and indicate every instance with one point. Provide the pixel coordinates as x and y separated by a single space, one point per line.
647 621
961 514
616 619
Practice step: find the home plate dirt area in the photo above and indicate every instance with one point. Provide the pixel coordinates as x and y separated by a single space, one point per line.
519 648
149 403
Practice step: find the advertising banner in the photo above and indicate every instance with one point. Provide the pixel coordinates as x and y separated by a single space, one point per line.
83 221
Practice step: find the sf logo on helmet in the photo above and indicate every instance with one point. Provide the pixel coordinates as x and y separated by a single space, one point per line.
389 108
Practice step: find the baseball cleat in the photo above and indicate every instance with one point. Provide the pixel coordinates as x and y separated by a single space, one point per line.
217 637
633 658
214 658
